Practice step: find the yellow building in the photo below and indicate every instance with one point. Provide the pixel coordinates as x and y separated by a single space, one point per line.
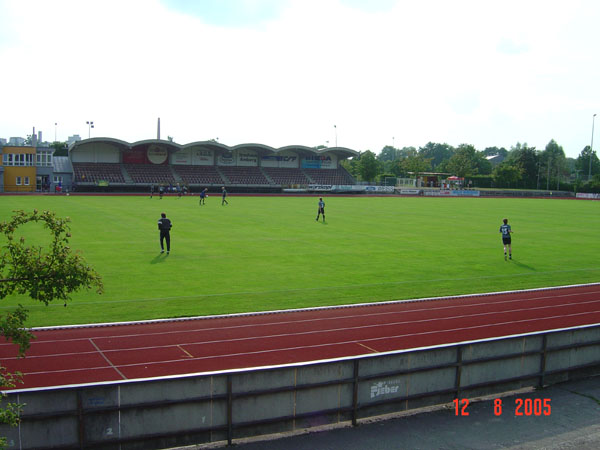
19 165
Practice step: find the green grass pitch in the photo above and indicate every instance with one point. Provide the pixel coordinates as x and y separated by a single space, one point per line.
269 253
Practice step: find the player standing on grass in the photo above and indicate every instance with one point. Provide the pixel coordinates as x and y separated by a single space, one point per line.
321 209
506 240
203 195
165 225
224 201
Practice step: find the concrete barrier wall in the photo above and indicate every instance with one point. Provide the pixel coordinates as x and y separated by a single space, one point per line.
224 406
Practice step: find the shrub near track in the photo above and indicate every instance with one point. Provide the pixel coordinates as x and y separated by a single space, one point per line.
269 253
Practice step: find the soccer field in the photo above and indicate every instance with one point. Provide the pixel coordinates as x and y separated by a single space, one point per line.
269 253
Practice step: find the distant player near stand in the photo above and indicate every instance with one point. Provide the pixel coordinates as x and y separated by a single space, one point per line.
321 209
164 226
161 191
506 239
152 190
203 195
224 201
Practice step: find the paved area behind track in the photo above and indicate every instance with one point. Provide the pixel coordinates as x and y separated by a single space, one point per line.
574 423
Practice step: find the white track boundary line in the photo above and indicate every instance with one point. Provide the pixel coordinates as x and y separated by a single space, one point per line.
316 308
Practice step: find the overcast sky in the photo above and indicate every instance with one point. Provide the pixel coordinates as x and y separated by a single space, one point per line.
283 72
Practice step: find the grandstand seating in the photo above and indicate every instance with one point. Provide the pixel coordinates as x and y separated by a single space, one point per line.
244 175
286 176
199 174
94 172
207 175
150 173
337 176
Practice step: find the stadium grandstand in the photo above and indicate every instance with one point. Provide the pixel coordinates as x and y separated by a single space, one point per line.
113 165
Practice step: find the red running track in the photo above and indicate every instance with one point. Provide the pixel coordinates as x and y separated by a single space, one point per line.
92 354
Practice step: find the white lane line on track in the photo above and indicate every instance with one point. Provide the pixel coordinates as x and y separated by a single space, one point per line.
302 347
311 309
367 347
317 319
313 332
326 331
185 351
107 360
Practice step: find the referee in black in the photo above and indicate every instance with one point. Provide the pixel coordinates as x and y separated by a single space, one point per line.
164 225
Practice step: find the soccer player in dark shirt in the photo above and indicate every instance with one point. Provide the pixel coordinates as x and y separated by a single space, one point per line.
165 225
506 240
224 201
321 209
203 196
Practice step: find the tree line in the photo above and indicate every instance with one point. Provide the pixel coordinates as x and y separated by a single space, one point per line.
520 167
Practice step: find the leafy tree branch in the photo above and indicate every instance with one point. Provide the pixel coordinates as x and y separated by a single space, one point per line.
45 274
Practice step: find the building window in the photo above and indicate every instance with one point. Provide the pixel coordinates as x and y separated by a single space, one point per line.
26 181
19 159
18 181
58 179
44 159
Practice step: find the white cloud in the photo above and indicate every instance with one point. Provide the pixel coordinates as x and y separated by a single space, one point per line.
457 72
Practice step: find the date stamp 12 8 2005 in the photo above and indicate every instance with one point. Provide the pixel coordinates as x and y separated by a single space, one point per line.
521 407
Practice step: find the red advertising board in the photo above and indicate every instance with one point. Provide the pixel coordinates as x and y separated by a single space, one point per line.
135 156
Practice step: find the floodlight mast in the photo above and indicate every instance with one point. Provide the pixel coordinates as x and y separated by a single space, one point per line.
591 149
335 128
90 124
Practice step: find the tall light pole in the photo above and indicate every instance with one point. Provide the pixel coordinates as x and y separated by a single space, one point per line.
55 125
591 149
335 128
548 177
90 124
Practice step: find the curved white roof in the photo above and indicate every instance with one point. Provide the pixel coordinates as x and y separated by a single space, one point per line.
260 148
